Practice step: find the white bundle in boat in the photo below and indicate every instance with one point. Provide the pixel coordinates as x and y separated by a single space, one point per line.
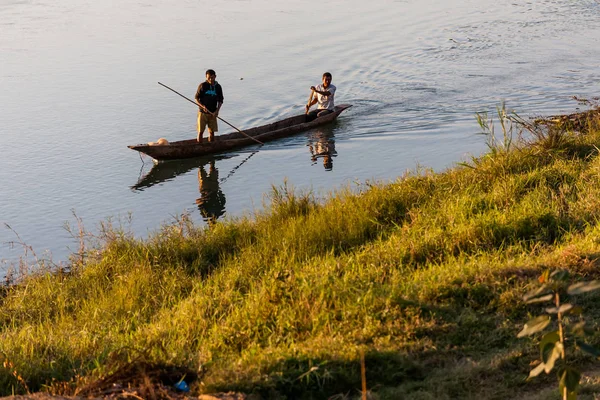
159 142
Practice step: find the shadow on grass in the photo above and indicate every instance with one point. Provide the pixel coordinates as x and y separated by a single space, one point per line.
315 378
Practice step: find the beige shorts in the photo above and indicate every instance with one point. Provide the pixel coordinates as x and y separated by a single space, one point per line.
205 120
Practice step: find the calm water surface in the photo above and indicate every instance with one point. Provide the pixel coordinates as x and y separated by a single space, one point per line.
78 82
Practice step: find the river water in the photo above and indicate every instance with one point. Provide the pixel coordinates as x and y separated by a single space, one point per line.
78 83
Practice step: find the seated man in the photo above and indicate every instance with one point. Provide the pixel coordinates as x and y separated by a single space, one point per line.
325 93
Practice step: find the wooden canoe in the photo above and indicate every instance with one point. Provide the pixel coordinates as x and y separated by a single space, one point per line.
191 148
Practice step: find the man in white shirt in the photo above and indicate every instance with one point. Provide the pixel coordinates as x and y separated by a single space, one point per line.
322 95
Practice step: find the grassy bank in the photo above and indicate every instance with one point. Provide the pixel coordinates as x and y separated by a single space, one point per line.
424 275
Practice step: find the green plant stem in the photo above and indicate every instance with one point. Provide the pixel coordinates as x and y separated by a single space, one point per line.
560 327
562 338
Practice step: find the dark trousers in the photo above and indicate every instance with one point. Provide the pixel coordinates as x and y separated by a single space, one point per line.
314 114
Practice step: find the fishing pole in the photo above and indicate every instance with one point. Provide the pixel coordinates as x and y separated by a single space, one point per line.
191 101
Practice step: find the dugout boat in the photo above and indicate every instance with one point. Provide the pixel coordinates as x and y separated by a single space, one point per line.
190 148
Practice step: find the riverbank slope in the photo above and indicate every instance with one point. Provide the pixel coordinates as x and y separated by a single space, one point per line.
424 276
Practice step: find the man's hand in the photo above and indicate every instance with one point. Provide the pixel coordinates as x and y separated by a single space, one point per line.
306 107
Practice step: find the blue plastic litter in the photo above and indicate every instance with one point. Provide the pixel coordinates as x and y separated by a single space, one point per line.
182 386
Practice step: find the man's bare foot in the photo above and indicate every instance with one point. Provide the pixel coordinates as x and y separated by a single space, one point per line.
199 140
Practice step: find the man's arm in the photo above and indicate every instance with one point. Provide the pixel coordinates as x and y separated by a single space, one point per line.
219 100
312 101
198 95
322 93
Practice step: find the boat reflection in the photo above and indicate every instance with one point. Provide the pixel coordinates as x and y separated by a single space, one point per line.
211 202
167 171
321 145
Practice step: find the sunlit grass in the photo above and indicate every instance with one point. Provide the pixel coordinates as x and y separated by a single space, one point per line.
424 274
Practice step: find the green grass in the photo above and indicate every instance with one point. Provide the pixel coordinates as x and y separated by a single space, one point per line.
425 275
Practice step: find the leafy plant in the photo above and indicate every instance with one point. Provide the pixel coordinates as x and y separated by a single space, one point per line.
554 287
508 129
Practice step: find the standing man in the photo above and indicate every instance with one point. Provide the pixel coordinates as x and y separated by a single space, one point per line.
324 97
209 98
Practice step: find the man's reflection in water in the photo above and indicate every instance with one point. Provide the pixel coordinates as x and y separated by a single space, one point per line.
211 202
322 145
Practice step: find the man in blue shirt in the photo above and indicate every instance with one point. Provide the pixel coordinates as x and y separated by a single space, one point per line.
209 98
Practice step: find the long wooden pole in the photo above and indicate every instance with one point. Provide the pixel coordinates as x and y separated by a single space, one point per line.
191 101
